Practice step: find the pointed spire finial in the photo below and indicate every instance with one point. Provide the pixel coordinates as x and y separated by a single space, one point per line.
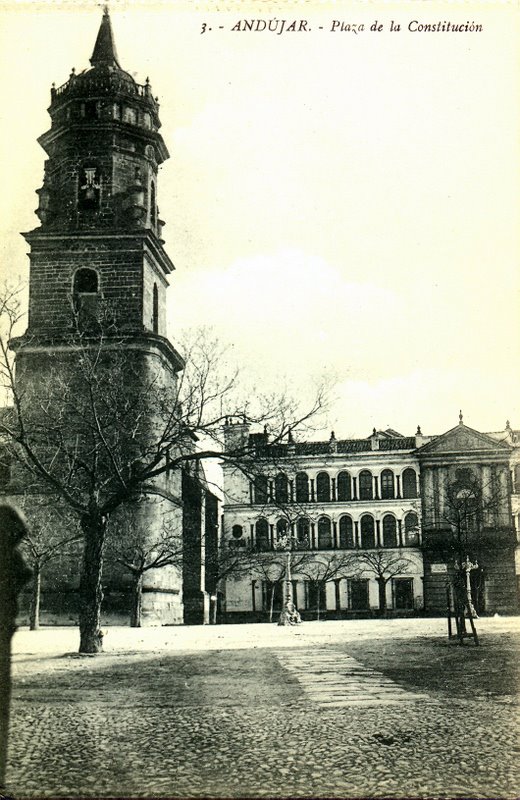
105 54
460 418
419 432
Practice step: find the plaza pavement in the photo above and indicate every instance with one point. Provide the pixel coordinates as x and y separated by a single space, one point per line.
376 708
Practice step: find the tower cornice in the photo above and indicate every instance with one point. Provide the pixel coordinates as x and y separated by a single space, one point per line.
146 237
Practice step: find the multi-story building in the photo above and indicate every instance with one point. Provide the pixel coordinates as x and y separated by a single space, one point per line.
373 511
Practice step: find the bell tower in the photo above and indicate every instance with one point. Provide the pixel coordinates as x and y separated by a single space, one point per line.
98 261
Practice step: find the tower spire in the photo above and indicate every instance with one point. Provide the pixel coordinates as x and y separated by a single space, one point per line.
105 53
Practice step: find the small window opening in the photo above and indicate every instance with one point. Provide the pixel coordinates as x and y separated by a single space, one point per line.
89 188
153 208
155 320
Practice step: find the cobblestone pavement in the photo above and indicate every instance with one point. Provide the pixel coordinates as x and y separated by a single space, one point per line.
252 722
334 680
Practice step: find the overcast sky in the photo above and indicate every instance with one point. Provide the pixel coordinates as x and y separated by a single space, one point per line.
334 201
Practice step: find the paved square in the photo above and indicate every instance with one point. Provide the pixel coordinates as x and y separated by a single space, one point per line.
333 709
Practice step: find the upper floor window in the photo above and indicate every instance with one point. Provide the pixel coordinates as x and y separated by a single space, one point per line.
324 533
387 485
368 536
260 489
346 533
322 487
303 532
129 115
281 528
409 483
86 281
262 534
411 529
365 485
90 109
344 486
389 531
302 487
85 297
465 476
89 188
516 474
281 489
153 205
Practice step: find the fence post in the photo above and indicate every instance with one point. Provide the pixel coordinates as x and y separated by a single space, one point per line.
14 574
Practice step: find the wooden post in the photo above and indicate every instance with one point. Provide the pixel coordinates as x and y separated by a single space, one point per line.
14 574
448 611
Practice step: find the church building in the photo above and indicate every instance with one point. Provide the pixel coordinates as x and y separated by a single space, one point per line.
95 366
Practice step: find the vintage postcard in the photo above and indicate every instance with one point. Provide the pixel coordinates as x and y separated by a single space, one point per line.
264 326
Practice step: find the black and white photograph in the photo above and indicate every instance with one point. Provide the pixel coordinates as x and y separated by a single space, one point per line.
259 399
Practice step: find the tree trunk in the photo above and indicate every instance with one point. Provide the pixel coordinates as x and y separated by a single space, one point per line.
34 610
213 610
318 594
382 596
271 602
137 600
94 528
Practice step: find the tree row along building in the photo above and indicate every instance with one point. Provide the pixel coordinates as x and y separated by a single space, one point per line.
374 524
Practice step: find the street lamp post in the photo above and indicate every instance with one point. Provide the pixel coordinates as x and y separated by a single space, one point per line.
289 615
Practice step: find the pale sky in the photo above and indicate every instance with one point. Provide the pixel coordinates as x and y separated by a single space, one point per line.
335 202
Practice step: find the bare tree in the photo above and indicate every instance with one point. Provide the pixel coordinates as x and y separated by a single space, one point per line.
473 520
384 565
100 429
52 533
127 547
324 567
276 569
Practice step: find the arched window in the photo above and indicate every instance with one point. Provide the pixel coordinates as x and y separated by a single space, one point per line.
153 205
262 535
365 485
302 487
260 492
409 483
346 533
322 487
237 531
368 537
387 485
281 490
324 534
389 531
344 490
281 528
85 297
303 532
411 529
86 281
155 313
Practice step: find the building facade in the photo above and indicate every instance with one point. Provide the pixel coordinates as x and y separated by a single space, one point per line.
368 522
